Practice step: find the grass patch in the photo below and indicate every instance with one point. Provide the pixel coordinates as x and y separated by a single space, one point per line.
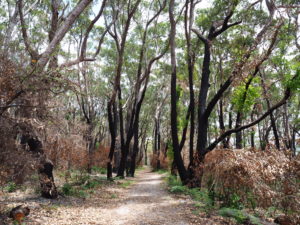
161 171
240 216
11 187
202 197
100 170
112 196
82 186
139 168
126 183
75 191
51 207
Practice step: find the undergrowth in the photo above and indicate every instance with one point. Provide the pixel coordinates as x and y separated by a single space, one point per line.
11 187
126 183
203 200
82 185
209 202
100 170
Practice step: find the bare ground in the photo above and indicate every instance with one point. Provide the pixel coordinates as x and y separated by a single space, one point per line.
145 202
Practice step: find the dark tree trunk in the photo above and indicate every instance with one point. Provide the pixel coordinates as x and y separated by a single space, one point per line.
238 137
273 122
48 188
112 122
91 147
239 117
146 153
174 130
124 143
202 118
287 139
120 44
230 122
189 20
134 154
293 140
221 122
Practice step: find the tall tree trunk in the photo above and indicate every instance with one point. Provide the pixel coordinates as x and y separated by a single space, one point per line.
273 122
238 137
189 20
112 123
221 122
174 130
286 127
146 152
252 132
135 149
202 118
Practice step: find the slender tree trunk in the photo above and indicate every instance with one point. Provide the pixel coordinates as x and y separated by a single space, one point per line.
189 20
146 152
202 118
252 132
273 122
286 127
135 150
174 130
221 122
112 122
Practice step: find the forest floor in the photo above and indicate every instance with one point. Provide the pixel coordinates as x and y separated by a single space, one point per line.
135 201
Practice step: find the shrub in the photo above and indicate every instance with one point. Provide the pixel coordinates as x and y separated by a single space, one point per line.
178 189
11 187
252 178
240 216
126 183
91 184
68 189
173 181
99 170
202 197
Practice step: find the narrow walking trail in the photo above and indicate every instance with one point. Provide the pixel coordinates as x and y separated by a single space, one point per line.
148 202
145 201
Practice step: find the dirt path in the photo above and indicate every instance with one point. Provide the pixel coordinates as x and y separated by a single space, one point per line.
148 202
145 202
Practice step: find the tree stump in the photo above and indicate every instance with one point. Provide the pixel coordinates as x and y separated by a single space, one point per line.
18 213
48 188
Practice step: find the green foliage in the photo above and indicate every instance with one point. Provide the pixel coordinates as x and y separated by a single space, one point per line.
251 200
68 189
161 171
11 187
204 201
126 183
233 201
294 84
91 184
243 99
99 170
113 196
82 194
178 189
82 185
81 178
239 216
173 181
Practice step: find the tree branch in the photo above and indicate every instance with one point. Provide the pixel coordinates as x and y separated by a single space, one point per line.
33 54
238 129
61 32
88 30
